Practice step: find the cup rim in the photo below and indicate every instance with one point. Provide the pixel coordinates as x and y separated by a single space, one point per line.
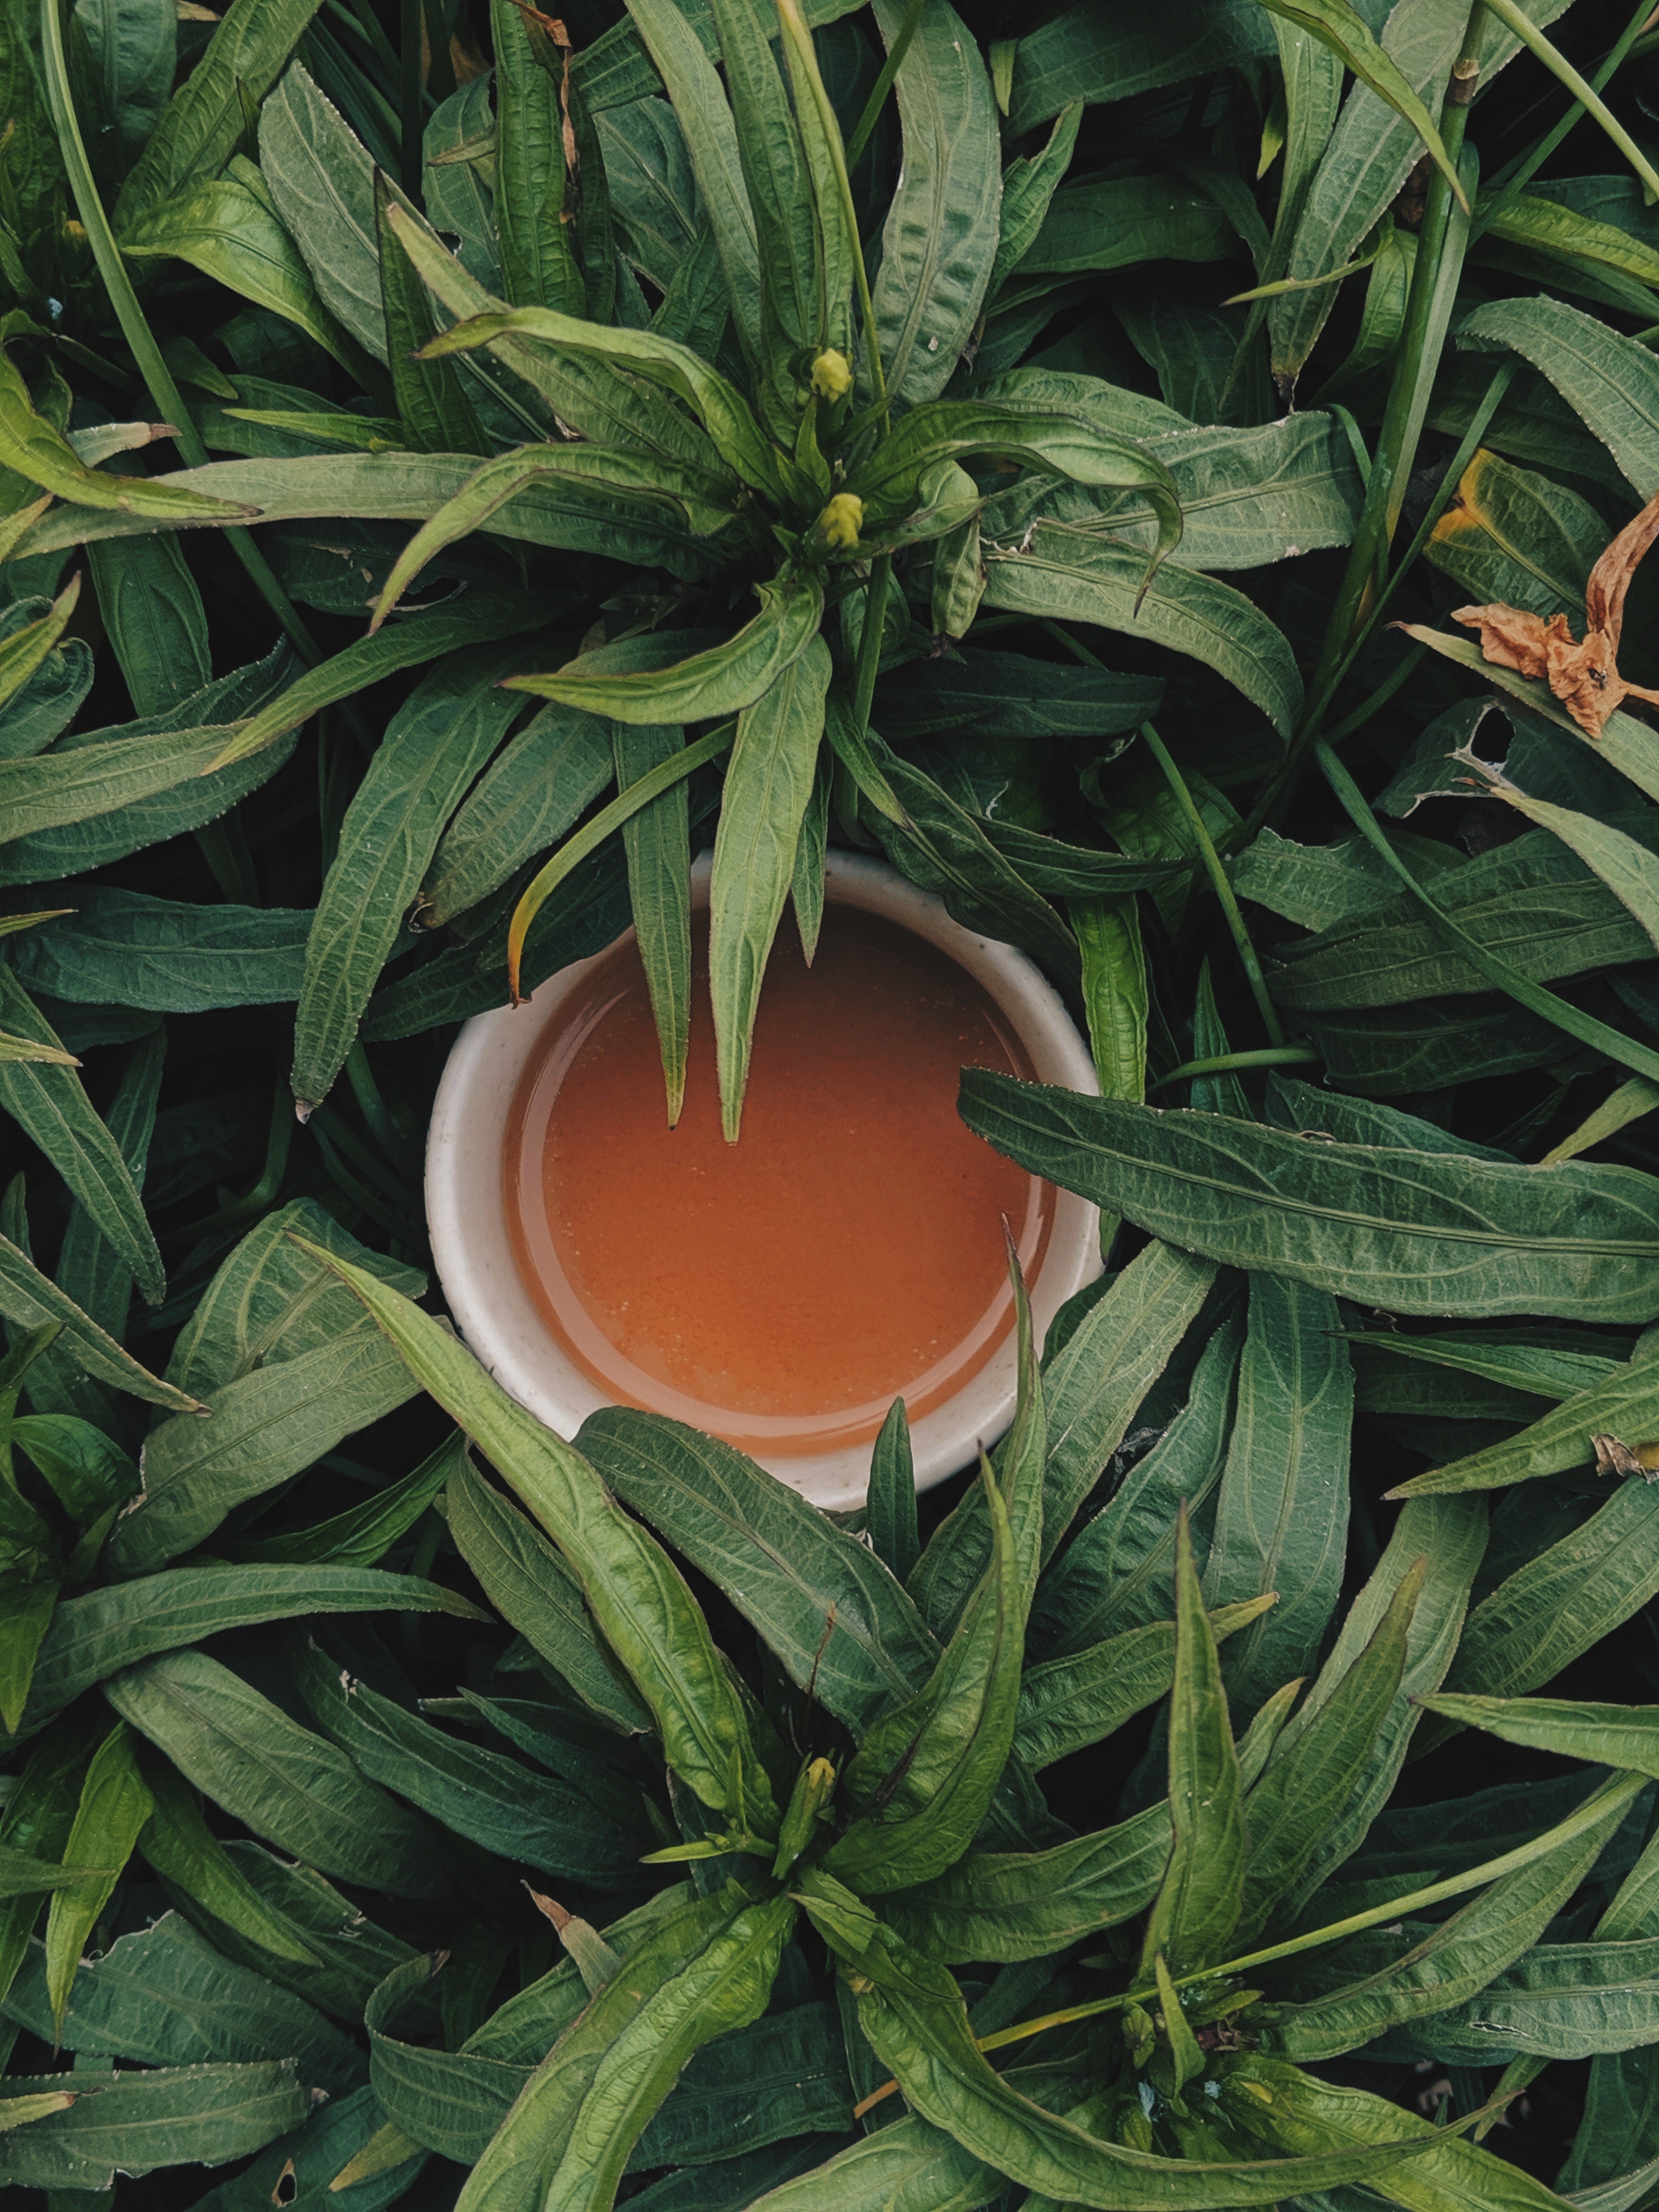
493 1312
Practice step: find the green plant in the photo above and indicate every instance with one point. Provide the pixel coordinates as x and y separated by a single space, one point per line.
1181 1809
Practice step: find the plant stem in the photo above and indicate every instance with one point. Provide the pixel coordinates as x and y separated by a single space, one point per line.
884 84
1396 677
409 97
1511 184
158 377
1278 1056
1416 359
593 835
1222 889
1515 19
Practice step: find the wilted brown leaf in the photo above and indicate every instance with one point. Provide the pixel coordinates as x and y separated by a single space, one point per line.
1583 674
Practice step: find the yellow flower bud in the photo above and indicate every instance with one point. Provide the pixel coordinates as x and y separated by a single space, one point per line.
842 520
832 375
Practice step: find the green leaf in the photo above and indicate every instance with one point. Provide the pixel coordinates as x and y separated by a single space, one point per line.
1340 27
1059 444
689 75
1281 1516
831 1612
1625 1736
768 782
1451 1536
21 1876
1248 497
1511 535
264 1427
641 1606
205 120
947 849
1560 1603
1009 1905
27 1600
228 228
1197 1906
1119 223
891 1504
1068 575
346 2134
362 1533
1003 695
532 1588
1299 2112
1626 1404
1068 1704
50 1102
657 843
431 753
1087 53
141 2121
39 1812
432 402
287 1785
32 1299
1092 1390
166 955
113 1809
706 1969
1352 1219
717 404
941 236
493 1801
705 685
1312 1774
95 1636
183 1850
1371 151
478 620
537 786
783 207
1117 1572
30 445
924 1774
539 261
1447 1961
914 2016
165 1997
25 650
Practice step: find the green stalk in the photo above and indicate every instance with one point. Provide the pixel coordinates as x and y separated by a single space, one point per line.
1278 1056
1516 179
1397 677
593 835
1515 19
1620 1790
884 84
1219 884
409 97
1427 308
158 377
1560 1013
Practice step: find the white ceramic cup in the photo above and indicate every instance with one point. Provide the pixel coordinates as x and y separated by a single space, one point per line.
465 1199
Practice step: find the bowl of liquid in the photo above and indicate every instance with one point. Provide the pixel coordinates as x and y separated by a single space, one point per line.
782 1291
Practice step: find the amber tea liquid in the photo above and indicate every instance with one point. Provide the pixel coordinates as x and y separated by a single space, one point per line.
780 1291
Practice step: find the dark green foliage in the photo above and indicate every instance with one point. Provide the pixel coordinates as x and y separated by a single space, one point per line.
1196 1807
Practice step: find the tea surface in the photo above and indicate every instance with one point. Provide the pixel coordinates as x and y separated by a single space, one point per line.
780 1291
